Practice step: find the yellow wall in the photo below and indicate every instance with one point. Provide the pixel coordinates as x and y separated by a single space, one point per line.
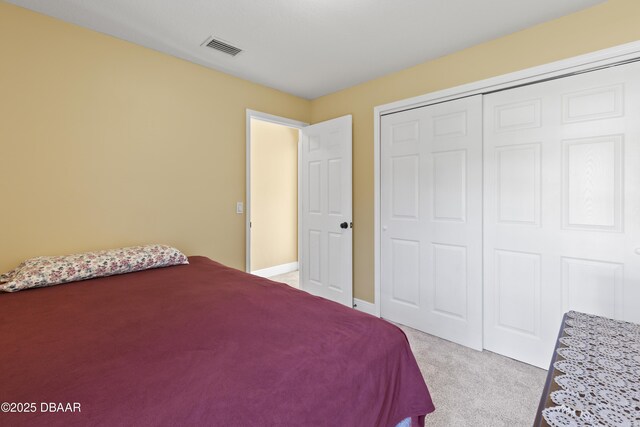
274 195
104 143
609 24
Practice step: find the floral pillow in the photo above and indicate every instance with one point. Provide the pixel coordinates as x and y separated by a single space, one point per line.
53 270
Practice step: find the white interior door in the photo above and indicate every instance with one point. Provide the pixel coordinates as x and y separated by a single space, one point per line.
431 219
562 207
326 228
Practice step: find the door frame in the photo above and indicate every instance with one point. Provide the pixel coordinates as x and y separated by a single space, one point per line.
588 62
265 117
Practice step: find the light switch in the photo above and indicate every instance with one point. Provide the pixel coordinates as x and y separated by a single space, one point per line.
239 208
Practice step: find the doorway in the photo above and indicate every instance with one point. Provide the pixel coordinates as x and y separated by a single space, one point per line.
321 215
272 197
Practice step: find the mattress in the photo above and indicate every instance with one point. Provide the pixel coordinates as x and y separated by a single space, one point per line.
201 344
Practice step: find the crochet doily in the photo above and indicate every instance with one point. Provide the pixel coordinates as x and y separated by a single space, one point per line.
600 362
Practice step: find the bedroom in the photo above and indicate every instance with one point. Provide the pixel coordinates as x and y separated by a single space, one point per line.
109 144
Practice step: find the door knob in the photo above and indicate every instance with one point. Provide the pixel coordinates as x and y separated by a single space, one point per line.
637 251
344 225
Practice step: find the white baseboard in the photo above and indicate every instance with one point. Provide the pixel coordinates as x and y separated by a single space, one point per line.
365 307
276 270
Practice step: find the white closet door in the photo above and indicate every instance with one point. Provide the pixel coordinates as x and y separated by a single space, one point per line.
431 219
562 207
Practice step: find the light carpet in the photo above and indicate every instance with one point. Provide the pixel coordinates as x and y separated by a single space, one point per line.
468 387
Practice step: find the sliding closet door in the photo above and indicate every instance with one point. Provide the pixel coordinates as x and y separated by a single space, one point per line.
431 219
562 207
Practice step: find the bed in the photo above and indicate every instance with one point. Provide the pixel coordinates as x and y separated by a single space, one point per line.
201 344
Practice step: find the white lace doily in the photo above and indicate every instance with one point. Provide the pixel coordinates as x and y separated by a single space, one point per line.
600 362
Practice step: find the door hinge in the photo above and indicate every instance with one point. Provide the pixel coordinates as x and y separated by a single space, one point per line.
351 225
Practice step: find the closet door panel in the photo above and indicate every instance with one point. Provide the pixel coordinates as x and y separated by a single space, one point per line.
431 209
562 207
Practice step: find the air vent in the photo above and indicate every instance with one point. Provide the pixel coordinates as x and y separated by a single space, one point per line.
218 44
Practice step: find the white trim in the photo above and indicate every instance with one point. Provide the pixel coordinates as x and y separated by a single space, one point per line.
376 211
276 270
252 114
365 307
589 61
581 63
300 217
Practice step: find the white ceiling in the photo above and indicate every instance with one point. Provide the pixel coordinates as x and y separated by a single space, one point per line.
308 48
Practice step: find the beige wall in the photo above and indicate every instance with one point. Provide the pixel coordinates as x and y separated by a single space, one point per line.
274 195
104 143
612 23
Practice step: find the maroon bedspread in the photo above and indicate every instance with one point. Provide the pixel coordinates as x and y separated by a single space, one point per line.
201 344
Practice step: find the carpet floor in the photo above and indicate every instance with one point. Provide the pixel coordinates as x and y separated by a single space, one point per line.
475 388
468 387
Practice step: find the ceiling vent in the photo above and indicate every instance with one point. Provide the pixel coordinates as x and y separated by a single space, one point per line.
218 44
